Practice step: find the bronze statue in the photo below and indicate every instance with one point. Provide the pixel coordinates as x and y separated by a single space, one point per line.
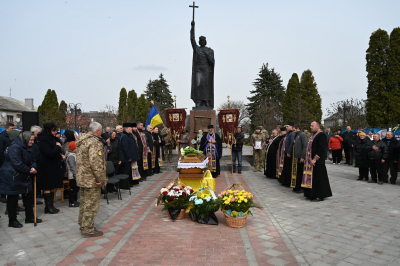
202 92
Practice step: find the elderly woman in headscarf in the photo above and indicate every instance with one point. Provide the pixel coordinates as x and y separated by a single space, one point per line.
16 178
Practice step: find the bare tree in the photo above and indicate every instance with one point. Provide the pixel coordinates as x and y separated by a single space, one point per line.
348 112
108 116
243 112
268 114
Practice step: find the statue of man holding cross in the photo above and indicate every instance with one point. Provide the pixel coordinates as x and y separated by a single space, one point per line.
202 92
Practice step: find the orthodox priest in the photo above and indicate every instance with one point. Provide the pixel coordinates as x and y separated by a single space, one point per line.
315 177
286 175
300 150
270 162
280 153
130 155
142 144
211 145
156 156
150 143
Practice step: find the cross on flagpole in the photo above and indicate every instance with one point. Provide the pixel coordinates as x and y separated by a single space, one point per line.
194 6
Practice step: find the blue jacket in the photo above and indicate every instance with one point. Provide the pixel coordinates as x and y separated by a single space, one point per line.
15 177
129 148
4 143
289 142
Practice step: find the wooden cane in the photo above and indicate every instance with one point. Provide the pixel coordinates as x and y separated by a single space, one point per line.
34 193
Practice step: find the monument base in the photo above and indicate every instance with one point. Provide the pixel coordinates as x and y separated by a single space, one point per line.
200 119
202 108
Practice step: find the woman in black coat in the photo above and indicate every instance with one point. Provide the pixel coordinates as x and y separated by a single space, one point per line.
16 178
361 148
158 143
50 175
114 154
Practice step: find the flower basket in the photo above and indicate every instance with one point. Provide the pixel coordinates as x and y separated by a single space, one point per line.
236 204
235 222
205 204
176 214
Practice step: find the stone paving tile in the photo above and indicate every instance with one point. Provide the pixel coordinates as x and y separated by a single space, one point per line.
359 225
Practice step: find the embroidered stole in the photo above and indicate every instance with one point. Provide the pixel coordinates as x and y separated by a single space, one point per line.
294 169
266 153
281 159
144 155
134 165
308 168
153 156
211 152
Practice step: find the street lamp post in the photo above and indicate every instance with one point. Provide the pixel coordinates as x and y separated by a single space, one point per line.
76 109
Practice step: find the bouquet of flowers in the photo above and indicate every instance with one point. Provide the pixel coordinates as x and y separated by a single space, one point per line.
175 197
205 204
237 203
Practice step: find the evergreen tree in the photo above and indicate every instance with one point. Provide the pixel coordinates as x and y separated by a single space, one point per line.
269 89
311 108
132 101
48 108
122 106
62 115
142 109
377 62
290 103
158 91
393 80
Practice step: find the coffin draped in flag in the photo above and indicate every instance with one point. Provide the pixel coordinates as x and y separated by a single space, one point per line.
228 122
176 121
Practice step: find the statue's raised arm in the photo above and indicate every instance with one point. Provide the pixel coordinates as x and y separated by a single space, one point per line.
192 37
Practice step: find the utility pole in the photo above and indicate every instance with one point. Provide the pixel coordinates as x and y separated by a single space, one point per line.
76 109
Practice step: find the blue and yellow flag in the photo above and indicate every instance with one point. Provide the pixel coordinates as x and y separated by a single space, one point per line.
154 117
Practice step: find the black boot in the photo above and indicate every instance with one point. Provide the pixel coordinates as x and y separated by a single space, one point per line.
32 221
73 197
52 202
48 200
14 224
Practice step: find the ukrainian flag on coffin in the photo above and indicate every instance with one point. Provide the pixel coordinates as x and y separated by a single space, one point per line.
154 117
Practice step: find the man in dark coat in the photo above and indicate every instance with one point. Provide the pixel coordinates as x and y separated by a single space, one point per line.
348 142
315 177
271 149
329 135
4 143
300 150
361 148
286 176
390 163
150 144
211 145
157 153
377 155
237 149
130 154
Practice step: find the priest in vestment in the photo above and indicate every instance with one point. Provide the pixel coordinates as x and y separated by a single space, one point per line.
315 177
130 156
270 158
280 155
211 145
150 143
286 176
143 164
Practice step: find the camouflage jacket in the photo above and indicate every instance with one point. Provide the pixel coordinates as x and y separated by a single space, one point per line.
184 140
265 132
257 137
90 161
165 136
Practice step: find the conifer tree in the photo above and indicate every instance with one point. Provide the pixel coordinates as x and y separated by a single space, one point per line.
132 101
122 106
269 89
377 69
158 91
142 109
48 108
290 103
393 80
62 115
311 108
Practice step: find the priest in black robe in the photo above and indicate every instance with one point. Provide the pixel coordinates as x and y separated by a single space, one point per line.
136 132
130 155
150 143
315 177
286 176
270 158
157 154
211 145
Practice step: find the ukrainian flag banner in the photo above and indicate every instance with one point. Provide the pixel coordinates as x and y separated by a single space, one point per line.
154 117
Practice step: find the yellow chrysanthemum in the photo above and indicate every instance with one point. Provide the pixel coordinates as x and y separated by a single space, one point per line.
230 191
245 200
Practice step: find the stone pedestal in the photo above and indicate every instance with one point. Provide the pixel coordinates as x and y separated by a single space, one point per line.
200 119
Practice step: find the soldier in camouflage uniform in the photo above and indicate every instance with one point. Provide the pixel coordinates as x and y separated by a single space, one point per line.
184 140
166 134
90 176
266 135
258 153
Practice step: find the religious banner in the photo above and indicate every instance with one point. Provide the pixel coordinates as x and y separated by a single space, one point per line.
228 120
176 121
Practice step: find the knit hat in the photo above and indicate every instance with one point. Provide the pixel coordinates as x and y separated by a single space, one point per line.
72 145
13 133
362 134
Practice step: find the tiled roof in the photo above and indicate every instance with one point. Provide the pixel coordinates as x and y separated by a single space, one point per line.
11 104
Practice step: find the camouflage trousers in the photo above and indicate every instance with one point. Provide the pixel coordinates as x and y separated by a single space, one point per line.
90 204
168 153
258 159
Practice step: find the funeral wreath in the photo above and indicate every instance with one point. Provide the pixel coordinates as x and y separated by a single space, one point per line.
175 198
205 204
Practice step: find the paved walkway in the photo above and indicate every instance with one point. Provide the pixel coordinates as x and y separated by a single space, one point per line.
358 225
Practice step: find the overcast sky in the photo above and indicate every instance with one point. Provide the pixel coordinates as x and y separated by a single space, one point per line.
88 50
